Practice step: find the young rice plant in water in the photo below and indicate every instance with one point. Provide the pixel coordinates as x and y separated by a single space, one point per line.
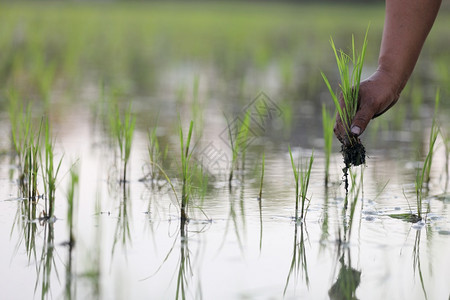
238 141
26 142
302 175
49 171
122 130
423 174
327 124
350 68
185 171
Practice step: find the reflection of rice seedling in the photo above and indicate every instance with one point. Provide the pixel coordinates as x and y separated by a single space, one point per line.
47 260
49 172
354 194
354 153
416 262
123 131
299 261
327 124
348 278
185 171
238 141
301 174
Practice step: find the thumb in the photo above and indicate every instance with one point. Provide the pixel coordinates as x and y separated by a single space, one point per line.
361 119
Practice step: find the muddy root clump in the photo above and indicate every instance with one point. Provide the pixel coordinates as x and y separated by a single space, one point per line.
354 154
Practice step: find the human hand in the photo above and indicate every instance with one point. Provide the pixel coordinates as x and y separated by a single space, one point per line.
377 94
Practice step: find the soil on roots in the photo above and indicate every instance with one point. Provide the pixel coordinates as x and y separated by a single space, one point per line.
354 155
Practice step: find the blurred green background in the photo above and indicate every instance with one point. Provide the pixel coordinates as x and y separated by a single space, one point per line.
53 51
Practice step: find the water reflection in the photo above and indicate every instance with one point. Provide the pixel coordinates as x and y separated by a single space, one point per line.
416 261
325 219
26 222
299 262
234 218
184 265
47 262
348 278
70 286
184 270
122 232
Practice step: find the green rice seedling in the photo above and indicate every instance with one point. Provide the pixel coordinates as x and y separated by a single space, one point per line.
423 174
32 162
238 143
71 211
123 130
262 177
328 125
350 69
23 139
186 156
27 146
197 112
302 175
50 171
200 183
71 203
446 140
156 155
433 136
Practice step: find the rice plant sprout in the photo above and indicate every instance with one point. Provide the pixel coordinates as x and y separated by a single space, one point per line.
446 140
71 202
156 155
238 141
186 156
327 124
350 69
262 177
26 143
302 175
123 131
423 174
50 172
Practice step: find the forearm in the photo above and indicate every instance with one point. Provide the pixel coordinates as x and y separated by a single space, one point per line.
406 27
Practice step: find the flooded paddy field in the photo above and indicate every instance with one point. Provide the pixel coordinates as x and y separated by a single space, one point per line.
174 132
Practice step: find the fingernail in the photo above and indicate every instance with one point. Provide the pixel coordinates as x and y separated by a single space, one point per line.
355 130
